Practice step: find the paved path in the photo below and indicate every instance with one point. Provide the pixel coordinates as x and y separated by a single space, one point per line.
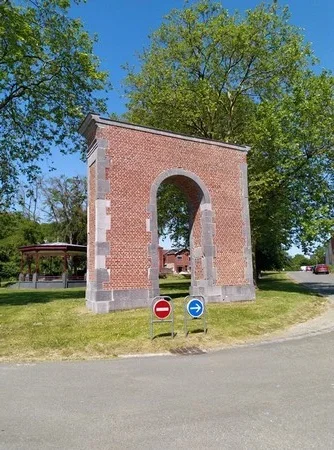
324 284
275 395
270 396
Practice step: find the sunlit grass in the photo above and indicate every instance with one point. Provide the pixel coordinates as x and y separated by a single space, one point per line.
38 325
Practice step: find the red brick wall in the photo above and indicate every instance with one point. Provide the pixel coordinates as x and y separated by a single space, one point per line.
178 260
136 159
182 263
169 259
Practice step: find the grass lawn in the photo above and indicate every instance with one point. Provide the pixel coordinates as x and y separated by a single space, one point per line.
54 324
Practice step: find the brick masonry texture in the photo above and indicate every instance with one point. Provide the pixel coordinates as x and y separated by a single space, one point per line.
135 158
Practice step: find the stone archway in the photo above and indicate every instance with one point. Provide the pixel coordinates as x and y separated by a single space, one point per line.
126 165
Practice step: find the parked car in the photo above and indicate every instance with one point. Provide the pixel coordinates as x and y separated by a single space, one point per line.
321 268
309 268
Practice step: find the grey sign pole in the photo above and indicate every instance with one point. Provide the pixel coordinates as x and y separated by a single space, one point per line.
194 309
162 311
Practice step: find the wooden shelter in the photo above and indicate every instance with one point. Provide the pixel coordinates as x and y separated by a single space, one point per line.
32 255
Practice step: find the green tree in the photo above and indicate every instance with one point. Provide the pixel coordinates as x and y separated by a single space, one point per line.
15 231
48 77
297 261
248 79
205 68
65 201
173 215
291 164
319 255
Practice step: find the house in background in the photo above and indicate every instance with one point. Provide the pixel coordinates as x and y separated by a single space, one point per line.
330 252
174 261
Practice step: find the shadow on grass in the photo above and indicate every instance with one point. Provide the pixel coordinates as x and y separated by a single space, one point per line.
268 283
161 335
175 290
175 286
174 295
197 330
19 298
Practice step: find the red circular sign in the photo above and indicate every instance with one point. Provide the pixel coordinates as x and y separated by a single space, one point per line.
162 308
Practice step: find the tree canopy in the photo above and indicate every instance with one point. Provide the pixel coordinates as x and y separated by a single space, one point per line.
65 202
173 214
15 231
48 80
248 79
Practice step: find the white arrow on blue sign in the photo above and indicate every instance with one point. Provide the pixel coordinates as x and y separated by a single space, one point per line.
195 307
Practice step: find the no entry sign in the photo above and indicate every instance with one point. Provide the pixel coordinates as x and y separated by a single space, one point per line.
162 312
162 309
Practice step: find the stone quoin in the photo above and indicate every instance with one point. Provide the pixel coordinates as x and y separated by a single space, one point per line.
126 165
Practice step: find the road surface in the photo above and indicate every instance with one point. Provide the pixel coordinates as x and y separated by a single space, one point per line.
275 395
322 283
268 396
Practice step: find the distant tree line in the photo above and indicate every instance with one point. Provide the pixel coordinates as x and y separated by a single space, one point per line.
299 260
57 212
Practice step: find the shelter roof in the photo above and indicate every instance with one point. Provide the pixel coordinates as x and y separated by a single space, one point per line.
54 249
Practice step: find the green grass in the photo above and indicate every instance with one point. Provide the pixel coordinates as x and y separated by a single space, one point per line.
54 324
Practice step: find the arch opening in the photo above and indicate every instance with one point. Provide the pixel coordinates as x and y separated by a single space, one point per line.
198 235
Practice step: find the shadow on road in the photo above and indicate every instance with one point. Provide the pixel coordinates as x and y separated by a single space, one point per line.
322 284
321 287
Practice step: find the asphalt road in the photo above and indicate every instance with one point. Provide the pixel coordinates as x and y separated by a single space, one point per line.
276 395
268 396
322 283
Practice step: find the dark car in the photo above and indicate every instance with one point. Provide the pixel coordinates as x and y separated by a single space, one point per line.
321 268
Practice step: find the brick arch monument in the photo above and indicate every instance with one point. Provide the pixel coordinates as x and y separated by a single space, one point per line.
126 165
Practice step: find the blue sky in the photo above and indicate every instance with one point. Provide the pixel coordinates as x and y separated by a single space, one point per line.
123 29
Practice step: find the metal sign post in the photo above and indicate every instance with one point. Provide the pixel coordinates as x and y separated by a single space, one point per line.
194 308
162 311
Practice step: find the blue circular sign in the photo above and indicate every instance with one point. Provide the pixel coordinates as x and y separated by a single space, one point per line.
195 307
